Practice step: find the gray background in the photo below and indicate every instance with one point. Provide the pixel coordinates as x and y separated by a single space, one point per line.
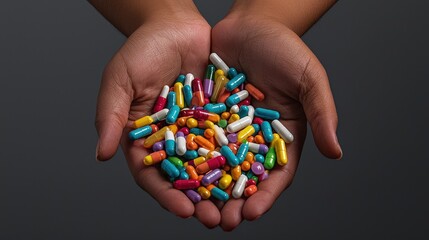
51 57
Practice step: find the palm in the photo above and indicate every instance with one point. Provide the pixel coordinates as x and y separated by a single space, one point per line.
275 60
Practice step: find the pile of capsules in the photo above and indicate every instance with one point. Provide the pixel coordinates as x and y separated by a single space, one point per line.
208 138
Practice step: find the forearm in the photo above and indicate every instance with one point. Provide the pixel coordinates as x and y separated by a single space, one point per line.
298 15
128 15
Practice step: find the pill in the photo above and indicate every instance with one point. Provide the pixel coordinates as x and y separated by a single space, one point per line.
211 176
239 186
267 114
239 124
178 89
193 195
170 169
186 184
236 98
162 99
254 92
140 132
197 93
218 62
235 82
209 80
282 131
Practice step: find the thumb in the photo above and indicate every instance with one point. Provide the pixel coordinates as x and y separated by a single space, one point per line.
113 105
319 108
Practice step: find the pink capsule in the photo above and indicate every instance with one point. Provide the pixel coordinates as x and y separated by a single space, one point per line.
183 184
258 120
211 164
198 93
162 99
184 130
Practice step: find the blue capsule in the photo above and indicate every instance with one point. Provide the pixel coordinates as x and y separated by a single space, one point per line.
257 128
183 174
217 108
219 194
190 154
171 99
267 114
172 114
267 131
229 155
187 94
197 131
243 111
242 151
259 158
170 169
235 82
232 72
181 78
140 132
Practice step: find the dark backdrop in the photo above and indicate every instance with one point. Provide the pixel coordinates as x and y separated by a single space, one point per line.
52 54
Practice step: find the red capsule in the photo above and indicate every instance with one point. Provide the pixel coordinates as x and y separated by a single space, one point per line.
186 113
210 164
198 93
244 102
184 130
250 182
258 120
183 184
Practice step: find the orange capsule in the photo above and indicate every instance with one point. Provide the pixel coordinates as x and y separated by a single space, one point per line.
250 138
235 90
190 170
245 166
259 139
249 156
254 92
228 190
250 190
233 147
208 133
223 95
155 157
210 187
200 177
203 142
190 142
154 128
204 192
227 168
182 121
236 172
225 115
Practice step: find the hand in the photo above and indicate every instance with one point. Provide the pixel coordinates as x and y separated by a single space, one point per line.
153 56
278 62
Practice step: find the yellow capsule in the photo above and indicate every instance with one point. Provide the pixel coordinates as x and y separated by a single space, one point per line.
199 160
209 124
220 82
234 117
236 172
144 121
218 73
181 121
204 192
191 123
208 133
159 135
281 154
244 133
224 181
180 99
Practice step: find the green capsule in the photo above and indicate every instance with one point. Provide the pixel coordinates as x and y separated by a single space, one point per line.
270 158
176 162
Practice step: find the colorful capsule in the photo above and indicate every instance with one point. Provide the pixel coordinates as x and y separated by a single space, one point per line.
250 190
242 151
236 172
170 169
219 194
217 108
162 99
171 99
258 148
211 164
235 82
158 136
194 196
220 82
178 89
254 92
229 155
267 131
198 93
170 143
183 184
144 121
236 98
257 168
204 192
180 144
245 132
267 114
239 186
209 80
211 177
282 131
232 72
281 154
225 181
204 143
218 62
220 136
155 157
204 115
187 95
239 124
244 111
140 132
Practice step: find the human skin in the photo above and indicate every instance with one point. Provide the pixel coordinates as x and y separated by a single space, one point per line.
263 40
168 38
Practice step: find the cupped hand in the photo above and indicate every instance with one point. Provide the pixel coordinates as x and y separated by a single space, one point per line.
279 63
153 56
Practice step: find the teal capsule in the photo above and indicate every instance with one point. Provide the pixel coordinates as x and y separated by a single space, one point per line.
219 194
170 147
190 154
257 129
217 108
181 78
183 174
243 111
140 132
176 161
235 82
171 99
197 131
267 114
172 114
259 158
232 73
250 174
267 131
170 169
236 98
242 151
270 158
187 94
229 155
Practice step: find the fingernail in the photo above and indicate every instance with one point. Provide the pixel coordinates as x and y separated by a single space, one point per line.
341 155
96 152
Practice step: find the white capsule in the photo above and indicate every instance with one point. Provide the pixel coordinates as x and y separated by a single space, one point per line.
169 135
160 115
204 152
234 109
188 80
251 112
180 145
239 124
164 92
220 135
282 131
239 186
219 63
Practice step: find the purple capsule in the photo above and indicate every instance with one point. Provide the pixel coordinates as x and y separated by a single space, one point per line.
193 195
258 168
232 137
208 88
211 176
263 176
158 146
258 148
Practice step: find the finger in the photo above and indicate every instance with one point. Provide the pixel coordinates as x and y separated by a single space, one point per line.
231 214
150 179
113 105
207 213
279 178
319 107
